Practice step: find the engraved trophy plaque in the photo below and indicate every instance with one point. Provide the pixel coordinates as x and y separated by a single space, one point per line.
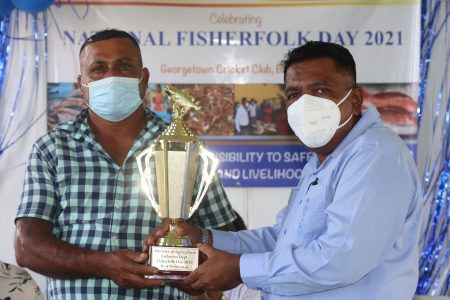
182 166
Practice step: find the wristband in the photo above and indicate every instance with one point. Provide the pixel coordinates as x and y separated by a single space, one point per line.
205 236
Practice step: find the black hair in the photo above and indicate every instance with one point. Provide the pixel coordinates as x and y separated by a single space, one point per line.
316 49
107 34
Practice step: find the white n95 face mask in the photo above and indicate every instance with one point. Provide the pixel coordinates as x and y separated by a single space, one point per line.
315 120
114 98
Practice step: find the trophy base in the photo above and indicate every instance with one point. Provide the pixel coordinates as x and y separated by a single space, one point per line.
169 275
173 262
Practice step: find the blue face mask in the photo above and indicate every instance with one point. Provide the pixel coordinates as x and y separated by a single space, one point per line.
114 98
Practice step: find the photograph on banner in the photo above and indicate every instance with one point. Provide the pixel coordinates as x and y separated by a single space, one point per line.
265 109
215 118
397 105
64 102
238 109
262 104
157 100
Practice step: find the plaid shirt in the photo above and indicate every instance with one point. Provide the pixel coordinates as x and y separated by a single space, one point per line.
96 204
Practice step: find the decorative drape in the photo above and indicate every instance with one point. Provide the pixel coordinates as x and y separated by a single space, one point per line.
433 147
23 56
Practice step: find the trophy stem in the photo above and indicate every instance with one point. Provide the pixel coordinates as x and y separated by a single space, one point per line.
172 240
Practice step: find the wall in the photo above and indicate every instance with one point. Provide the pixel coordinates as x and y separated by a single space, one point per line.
258 206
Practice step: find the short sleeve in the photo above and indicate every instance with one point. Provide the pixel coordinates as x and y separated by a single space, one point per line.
215 210
38 198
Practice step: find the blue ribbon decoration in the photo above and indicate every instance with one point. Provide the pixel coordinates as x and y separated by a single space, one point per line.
13 127
4 56
16 125
4 48
434 264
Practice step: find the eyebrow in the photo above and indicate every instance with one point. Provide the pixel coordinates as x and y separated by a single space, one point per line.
321 83
96 62
122 59
126 59
312 84
290 88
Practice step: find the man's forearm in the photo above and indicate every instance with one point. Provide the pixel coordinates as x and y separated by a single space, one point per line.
37 250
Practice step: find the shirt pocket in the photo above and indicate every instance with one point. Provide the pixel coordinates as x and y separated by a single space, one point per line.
313 220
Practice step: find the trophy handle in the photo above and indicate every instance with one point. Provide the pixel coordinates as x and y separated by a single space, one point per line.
143 162
210 164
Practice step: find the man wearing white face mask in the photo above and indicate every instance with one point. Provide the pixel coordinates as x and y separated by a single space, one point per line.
351 227
315 120
83 217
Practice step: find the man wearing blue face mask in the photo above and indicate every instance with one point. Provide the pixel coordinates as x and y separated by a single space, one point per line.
106 97
351 227
83 217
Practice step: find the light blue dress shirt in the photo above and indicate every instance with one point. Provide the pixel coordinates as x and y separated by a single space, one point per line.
350 230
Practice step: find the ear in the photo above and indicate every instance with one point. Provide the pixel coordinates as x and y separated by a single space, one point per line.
79 82
143 85
83 89
357 100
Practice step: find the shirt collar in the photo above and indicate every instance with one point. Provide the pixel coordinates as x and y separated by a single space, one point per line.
369 117
80 130
79 127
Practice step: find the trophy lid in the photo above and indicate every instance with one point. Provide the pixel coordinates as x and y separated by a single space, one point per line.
182 102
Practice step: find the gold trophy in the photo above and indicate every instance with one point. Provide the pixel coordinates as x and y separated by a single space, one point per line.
183 168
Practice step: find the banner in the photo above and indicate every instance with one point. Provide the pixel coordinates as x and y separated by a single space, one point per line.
227 55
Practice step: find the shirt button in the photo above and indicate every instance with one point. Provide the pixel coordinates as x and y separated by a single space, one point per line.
114 237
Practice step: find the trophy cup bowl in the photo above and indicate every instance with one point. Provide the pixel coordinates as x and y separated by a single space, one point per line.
181 168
